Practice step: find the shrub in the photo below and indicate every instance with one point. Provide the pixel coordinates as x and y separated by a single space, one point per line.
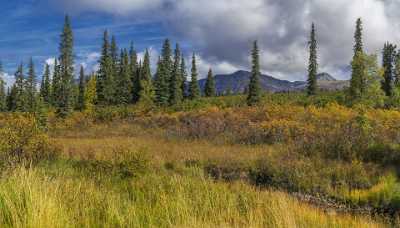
386 155
23 141
125 164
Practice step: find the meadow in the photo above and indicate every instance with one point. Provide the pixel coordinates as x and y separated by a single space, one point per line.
208 163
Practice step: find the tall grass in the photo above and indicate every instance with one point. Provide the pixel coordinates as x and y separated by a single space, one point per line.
31 198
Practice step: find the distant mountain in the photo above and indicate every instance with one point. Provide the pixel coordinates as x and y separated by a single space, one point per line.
325 77
238 83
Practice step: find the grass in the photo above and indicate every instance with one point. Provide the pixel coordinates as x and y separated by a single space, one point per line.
171 192
128 174
35 198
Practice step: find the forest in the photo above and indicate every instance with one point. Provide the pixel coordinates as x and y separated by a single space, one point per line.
128 147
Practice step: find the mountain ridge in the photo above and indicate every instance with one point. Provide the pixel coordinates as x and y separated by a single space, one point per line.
238 81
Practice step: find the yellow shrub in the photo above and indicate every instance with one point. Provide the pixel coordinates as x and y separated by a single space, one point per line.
21 140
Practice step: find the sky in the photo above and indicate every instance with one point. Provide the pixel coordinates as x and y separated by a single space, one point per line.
220 32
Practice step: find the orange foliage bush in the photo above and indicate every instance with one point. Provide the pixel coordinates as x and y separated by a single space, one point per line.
334 131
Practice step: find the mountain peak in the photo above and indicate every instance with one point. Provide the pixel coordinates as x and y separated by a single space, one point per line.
238 82
325 77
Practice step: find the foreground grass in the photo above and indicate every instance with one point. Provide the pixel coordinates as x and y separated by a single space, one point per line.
88 187
56 196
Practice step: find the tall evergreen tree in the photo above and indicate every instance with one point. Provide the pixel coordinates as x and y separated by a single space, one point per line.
147 90
357 82
81 94
161 85
358 46
19 99
45 87
124 83
175 83
11 94
313 65
389 53
254 96
184 78
105 87
209 90
31 89
145 70
163 76
194 89
114 54
3 92
56 83
397 70
166 58
65 102
134 74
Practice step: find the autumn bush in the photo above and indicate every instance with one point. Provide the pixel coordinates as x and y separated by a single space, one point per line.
23 141
334 131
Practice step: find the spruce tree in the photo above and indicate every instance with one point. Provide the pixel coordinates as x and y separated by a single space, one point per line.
105 88
114 55
184 78
397 70
313 65
166 58
134 74
56 84
31 86
194 89
45 90
147 90
124 83
209 89
163 76
65 102
103 69
389 53
254 96
358 47
115 68
357 82
3 92
175 83
81 94
11 97
160 83
19 101
145 70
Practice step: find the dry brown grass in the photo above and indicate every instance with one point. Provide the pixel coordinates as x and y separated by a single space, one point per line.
103 141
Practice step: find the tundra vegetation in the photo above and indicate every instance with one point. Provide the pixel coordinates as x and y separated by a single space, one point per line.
121 148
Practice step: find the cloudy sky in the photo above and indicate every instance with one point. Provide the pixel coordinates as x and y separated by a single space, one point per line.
219 31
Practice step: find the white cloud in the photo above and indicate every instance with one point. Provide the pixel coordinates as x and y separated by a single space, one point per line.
8 79
89 61
51 61
203 66
222 30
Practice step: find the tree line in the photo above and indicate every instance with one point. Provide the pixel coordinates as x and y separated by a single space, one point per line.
123 79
